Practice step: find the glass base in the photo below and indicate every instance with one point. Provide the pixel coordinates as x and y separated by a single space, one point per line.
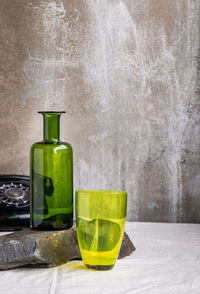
100 267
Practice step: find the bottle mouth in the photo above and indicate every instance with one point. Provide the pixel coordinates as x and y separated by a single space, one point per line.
51 111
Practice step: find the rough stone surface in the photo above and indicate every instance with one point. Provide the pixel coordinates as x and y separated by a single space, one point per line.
127 247
126 73
45 249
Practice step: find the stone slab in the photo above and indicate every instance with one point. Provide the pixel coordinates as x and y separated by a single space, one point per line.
36 248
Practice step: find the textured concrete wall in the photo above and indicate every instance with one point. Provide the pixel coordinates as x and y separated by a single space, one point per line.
126 74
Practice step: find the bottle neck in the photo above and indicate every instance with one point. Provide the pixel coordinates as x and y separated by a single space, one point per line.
51 127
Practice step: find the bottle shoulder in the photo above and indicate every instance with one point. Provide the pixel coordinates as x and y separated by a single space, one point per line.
52 145
66 144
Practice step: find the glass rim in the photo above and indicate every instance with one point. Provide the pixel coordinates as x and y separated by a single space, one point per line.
111 192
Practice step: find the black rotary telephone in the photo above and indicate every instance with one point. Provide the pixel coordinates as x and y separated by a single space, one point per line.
14 202
15 199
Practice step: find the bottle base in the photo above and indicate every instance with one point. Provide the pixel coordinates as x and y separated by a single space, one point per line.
51 224
100 267
51 228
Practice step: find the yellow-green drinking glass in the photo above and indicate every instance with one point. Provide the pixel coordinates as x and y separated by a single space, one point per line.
100 220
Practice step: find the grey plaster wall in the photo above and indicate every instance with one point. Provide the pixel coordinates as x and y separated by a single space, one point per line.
126 73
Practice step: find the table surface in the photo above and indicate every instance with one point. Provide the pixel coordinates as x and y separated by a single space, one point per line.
166 260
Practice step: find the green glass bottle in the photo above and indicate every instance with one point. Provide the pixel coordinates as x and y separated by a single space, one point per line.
51 178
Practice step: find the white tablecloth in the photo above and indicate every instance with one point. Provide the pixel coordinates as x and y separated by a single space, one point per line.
166 260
